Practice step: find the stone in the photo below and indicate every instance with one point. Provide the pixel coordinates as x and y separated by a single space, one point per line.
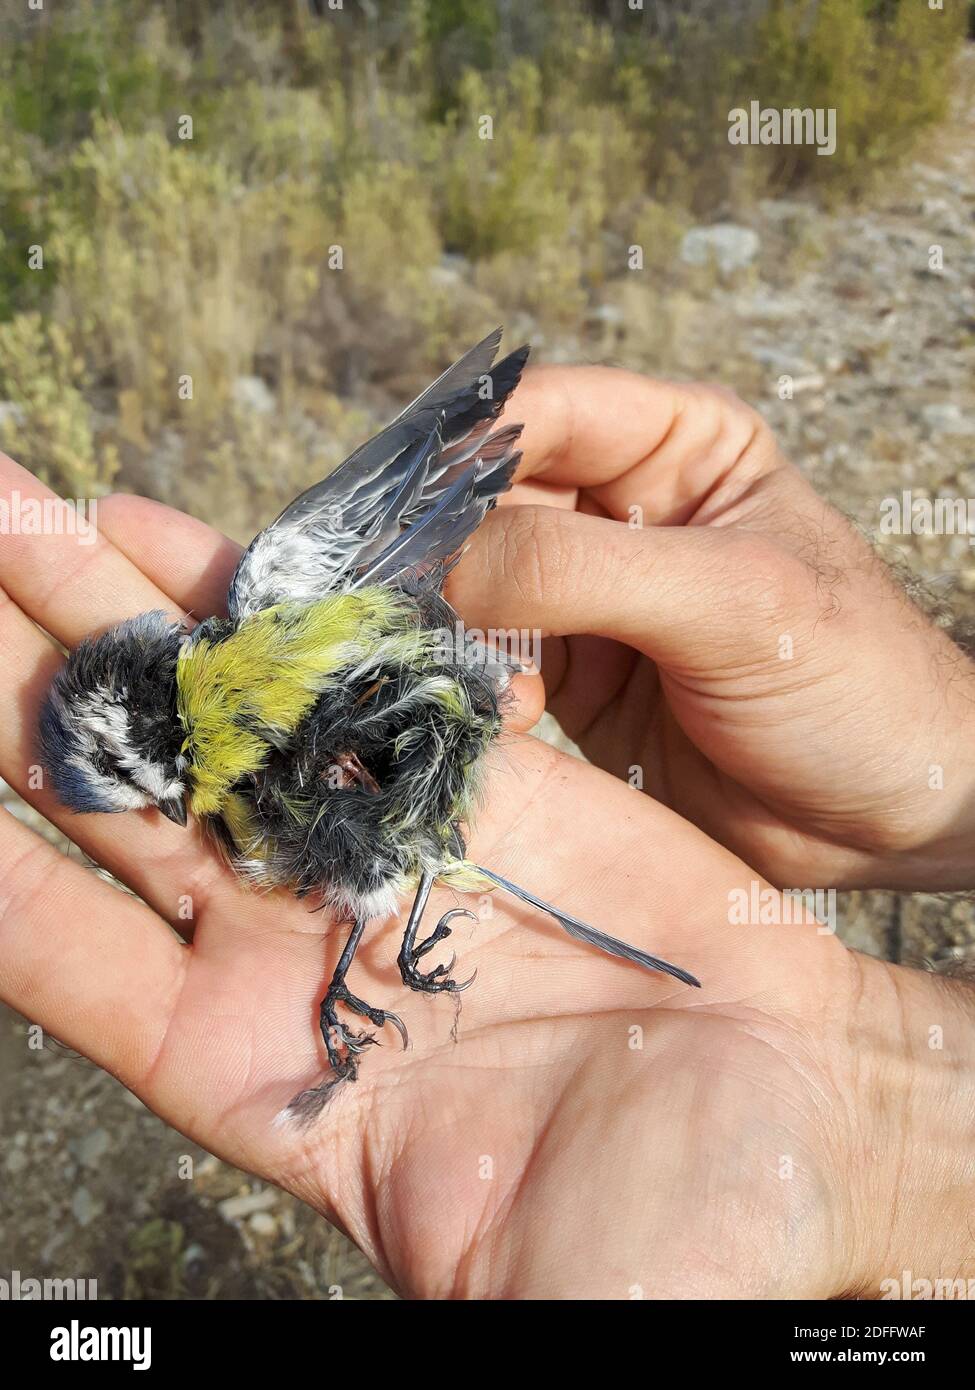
253 393
729 246
10 410
84 1208
92 1147
947 418
234 1208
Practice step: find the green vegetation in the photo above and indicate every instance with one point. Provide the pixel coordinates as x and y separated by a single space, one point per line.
214 258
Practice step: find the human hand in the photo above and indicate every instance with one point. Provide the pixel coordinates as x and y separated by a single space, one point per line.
721 628
595 1130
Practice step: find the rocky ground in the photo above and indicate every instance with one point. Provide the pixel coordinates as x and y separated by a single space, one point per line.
858 344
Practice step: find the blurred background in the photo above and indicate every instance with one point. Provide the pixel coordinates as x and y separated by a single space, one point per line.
309 211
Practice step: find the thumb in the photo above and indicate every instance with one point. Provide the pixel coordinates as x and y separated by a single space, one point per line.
691 598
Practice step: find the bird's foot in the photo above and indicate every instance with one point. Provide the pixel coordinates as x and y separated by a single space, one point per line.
437 980
338 1037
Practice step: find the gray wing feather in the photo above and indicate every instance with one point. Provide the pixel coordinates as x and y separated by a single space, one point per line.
474 364
341 528
592 936
431 541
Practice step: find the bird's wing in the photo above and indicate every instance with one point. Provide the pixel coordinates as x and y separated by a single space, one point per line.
403 502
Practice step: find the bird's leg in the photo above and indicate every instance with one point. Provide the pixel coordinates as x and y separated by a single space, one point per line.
435 981
334 1033
307 1105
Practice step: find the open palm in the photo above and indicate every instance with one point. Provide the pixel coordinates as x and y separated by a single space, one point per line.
581 1128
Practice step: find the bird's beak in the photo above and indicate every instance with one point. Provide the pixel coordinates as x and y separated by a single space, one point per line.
174 810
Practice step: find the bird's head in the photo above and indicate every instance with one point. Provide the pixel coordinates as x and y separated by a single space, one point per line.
110 735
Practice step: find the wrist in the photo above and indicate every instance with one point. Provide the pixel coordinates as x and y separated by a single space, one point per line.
912 1163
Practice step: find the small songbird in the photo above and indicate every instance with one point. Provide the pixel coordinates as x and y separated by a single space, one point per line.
331 731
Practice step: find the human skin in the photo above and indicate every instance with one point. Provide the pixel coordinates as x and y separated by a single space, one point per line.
594 1131
720 627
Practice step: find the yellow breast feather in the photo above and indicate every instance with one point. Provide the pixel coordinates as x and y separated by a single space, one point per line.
240 696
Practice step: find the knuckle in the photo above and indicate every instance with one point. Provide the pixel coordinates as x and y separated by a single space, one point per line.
734 423
774 588
722 394
535 552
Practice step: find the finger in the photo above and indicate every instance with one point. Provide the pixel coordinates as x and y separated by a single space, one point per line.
663 448
189 561
71 584
679 595
194 563
532 492
95 968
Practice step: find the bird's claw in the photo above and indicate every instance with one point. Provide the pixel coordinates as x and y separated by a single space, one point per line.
435 981
337 1036
400 1027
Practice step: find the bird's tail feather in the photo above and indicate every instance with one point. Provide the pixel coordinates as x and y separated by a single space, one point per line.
583 932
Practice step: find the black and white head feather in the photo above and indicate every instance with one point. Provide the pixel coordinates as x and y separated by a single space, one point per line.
109 732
